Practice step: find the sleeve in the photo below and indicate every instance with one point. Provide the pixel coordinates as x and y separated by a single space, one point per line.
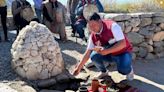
117 32
15 10
45 14
90 43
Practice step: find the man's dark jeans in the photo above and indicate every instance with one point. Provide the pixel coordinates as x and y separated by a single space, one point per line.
123 61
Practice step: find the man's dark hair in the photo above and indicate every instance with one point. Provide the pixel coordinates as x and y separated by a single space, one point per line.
95 17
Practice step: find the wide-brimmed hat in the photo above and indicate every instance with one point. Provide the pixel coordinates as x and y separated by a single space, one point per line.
89 9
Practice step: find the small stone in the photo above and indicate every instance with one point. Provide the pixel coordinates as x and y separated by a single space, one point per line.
135 38
142 52
159 36
162 26
150 56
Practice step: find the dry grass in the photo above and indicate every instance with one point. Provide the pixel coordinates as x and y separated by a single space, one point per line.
138 6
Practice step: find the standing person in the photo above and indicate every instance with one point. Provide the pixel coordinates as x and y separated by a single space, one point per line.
107 43
17 8
38 9
3 14
54 17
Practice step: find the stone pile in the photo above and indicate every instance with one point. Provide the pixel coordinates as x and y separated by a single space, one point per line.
144 30
35 53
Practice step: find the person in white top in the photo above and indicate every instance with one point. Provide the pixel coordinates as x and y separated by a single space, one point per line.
107 43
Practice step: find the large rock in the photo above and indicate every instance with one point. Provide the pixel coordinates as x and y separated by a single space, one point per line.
145 22
128 29
142 52
146 15
135 22
158 19
135 29
146 33
157 29
150 56
158 14
135 38
18 86
122 24
159 36
117 17
35 53
6 88
162 26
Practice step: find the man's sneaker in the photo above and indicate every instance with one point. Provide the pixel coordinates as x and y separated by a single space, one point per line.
101 75
130 76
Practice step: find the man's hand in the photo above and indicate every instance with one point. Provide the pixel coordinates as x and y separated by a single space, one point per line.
97 48
76 71
103 52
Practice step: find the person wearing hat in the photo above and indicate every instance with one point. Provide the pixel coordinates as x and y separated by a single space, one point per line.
18 7
3 14
80 22
107 43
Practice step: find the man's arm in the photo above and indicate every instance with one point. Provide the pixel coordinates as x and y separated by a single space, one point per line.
82 62
117 47
14 9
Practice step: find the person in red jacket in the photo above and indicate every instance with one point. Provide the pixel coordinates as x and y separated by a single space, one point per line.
107 43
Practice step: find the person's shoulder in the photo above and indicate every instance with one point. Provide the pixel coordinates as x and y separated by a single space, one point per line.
14 2
108 21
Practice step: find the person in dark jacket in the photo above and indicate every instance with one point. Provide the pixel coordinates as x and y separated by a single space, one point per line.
80 22
17 8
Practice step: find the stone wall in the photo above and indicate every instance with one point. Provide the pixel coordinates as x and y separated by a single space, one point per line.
144 30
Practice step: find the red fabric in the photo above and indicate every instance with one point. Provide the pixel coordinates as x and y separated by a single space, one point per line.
106 35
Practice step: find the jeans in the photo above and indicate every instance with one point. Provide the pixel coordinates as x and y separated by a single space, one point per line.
39 14
79 27
3 14
123 61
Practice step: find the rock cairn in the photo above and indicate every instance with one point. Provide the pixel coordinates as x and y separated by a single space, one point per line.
35 53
